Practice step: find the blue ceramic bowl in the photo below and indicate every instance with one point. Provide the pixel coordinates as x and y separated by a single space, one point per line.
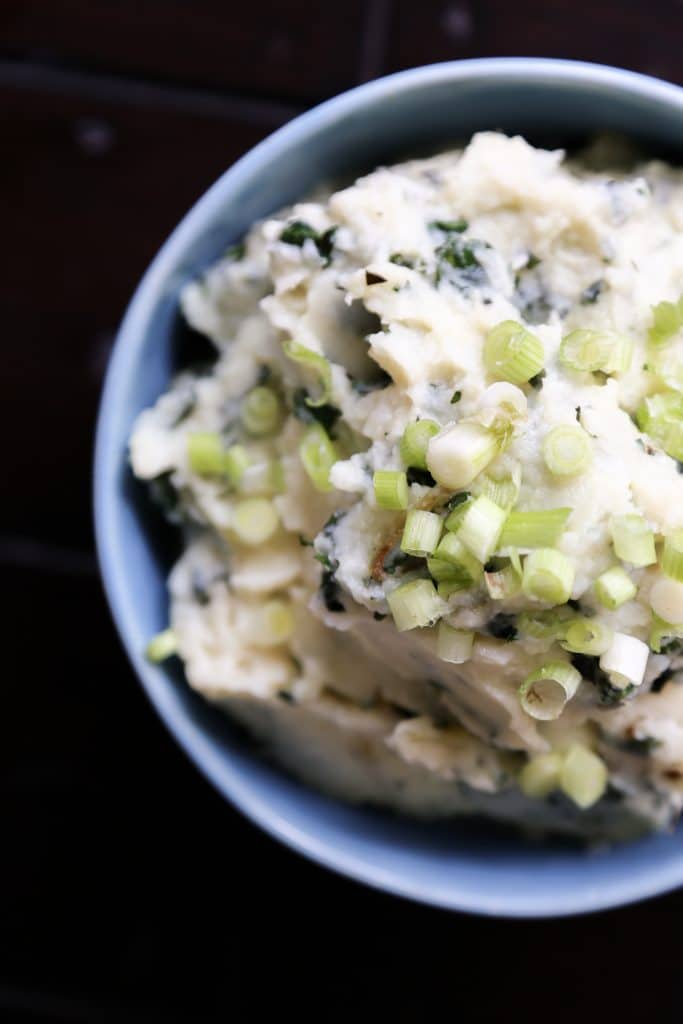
460 865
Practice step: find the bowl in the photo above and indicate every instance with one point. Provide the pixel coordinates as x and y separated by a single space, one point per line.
462 864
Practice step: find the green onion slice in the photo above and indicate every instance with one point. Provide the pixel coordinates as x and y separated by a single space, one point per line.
596 350
540 776
318 455
414 605
391 489
162 646
254 521
481 527
666 600
567 450
545 692
672 556
540 529
317 364
457 455
502 490
550 626
453 551
587 636
548 576
261 411
667 320
421 532
583 776
503 583
614 588
454 645
511 353
414 442
205 453
625 660
633 540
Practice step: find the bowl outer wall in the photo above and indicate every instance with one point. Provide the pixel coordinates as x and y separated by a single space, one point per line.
457 866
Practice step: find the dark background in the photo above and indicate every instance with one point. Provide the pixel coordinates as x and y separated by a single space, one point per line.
129 890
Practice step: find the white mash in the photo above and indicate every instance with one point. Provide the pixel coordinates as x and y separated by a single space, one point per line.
431 494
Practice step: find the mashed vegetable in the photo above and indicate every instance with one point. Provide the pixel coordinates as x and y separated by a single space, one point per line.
431 491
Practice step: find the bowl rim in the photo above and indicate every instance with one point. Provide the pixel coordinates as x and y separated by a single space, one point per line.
190 737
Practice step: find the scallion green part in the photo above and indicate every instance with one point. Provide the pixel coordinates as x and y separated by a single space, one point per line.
614 588
667 320
318 365
545 692
583 776
512 353
414 605
254 521
162 646
502 490
633 540
454 645
414 442
550 626
459 508
421 532
235 462
205 453
318 455
587 636
447 587
548 576
391 489
596 350
662 633
453 551
274 623
672 556
541 529
567 450
446 572
540 776
261 411
481 527
660 416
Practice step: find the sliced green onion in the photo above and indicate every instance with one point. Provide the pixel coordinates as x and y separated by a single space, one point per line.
235 462
481 527
503 583
446 572
503 490
544 693
625 660
459 509
421 532
262 477
391 489
318 456
162 646
457 455
614 588
548 576
633 540
274 624
672 556
414 605
661 417
662 633
261 411
205 453
452 550
596 350
583 776
587 636
667 319
534 529
447 587
540 776
415 440
512 353
666 600
254 521
546 625
567 450
454 645
317 364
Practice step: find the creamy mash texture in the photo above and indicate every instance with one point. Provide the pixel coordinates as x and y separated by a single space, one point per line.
430 489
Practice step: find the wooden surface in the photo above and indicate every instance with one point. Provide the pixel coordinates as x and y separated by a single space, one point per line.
130 890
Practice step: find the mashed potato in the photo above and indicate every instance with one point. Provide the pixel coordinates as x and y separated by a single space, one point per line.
430 489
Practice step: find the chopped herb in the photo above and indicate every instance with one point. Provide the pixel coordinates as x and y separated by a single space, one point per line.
661 679
673 647
325 244
537 381
325 415
591 293
305 542
331 591
461 255
420 476
503 627
235 252
531 261
378 616
457 395
371 278
298 231
458 226
402 261
324 560
457 499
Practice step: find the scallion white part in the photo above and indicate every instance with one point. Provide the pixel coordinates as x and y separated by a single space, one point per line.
503 583
421 532
235 463
501 403
540 776
540 529
567 450
481 527
666 600
587 636
625 660
633 540
545 692
391 489
414 605
583 776
614 588
317 364
458 454
454 645
502 490
254 521
548 576
596 350
511 353
162 646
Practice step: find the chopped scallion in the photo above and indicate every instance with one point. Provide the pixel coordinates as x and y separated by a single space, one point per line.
587 636
548 576
633 540
254 521
452 550
667 320
414 605
415 440
672 556
583 776
512 353
666 600
391 489
567 450
459 507
235 462
421 532
318 365
454 645
545 692
162 646
625 660
614 588
318 455
540 776
541 529
596 350
481 527
205 453
457 455
503 490
261 411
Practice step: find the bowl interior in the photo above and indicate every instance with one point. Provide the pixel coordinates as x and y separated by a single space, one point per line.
463 865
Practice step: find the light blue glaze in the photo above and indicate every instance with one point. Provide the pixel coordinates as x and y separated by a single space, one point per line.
459 865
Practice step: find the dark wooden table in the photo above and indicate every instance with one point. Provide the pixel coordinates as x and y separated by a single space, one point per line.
129 890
